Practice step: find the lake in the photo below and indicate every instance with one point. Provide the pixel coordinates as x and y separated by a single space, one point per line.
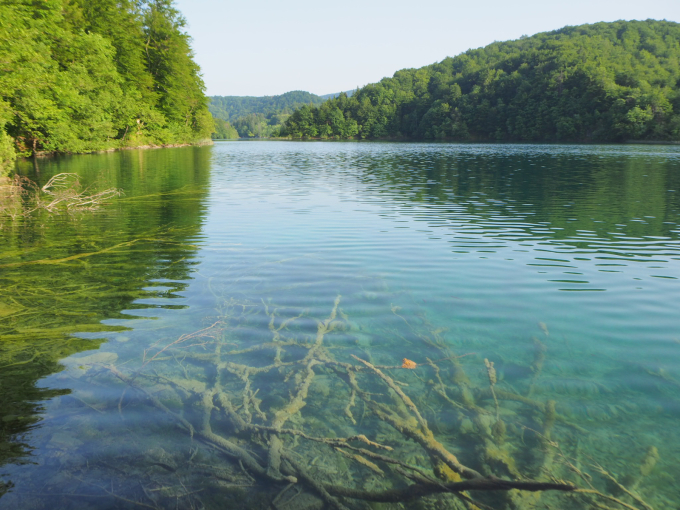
238 320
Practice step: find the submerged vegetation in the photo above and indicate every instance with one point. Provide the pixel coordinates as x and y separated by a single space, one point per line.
605 82
294 421
79 76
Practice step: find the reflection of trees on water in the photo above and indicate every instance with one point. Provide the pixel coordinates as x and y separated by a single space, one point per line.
552 186
62 274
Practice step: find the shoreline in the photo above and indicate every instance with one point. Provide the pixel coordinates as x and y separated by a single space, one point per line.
47 154
471 142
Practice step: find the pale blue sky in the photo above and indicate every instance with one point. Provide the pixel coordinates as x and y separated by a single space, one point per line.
269 47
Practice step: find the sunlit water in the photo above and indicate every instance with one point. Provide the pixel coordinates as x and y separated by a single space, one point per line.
559 264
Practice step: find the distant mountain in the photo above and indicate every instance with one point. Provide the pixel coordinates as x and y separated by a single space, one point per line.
605 82
256 117
230 108
336 94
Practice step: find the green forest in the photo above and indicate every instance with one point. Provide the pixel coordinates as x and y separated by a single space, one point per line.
256 117
82 75
605 82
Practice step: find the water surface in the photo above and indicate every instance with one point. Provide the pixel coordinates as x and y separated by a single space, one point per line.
559 264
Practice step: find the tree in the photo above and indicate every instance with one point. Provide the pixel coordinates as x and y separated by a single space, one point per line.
601 82
83 75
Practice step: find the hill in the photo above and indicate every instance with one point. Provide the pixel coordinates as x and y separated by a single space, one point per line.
605 82
348 93
82 75
232 107
248 116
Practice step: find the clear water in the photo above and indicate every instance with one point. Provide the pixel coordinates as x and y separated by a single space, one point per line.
559 264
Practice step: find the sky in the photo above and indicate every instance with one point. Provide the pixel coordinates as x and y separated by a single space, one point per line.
268 47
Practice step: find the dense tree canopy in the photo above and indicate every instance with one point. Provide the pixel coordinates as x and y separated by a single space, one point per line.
224 130
256 117
232 107
603 82
82 75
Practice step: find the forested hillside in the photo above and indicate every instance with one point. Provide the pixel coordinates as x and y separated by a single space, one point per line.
250 117
336 94
83 75
607 82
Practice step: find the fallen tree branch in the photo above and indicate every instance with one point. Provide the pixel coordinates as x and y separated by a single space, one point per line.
422 489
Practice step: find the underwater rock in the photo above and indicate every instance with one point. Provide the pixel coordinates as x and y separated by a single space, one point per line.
484 423
466 426
273 401
63 441
192 384
98 357
121 338
170 399
79 366
352 326
513 372
498 431
649 461
499 457
339 325
363 341
321 385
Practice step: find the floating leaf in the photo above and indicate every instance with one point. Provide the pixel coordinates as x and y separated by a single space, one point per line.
407 363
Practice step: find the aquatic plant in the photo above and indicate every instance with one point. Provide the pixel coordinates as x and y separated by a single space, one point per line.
299 416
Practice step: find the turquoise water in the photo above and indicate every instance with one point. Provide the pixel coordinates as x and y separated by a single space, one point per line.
559 264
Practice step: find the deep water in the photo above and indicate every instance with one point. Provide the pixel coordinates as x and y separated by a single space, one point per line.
238 287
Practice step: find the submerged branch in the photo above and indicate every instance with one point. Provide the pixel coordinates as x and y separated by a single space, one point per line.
421 489
295 369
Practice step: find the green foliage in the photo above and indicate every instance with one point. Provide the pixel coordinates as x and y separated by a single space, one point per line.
326 121
259 117
233 107
224 131
259 125
81 75
176 76
602 82
7 153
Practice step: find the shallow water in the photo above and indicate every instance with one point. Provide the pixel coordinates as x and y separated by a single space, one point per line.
559 264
